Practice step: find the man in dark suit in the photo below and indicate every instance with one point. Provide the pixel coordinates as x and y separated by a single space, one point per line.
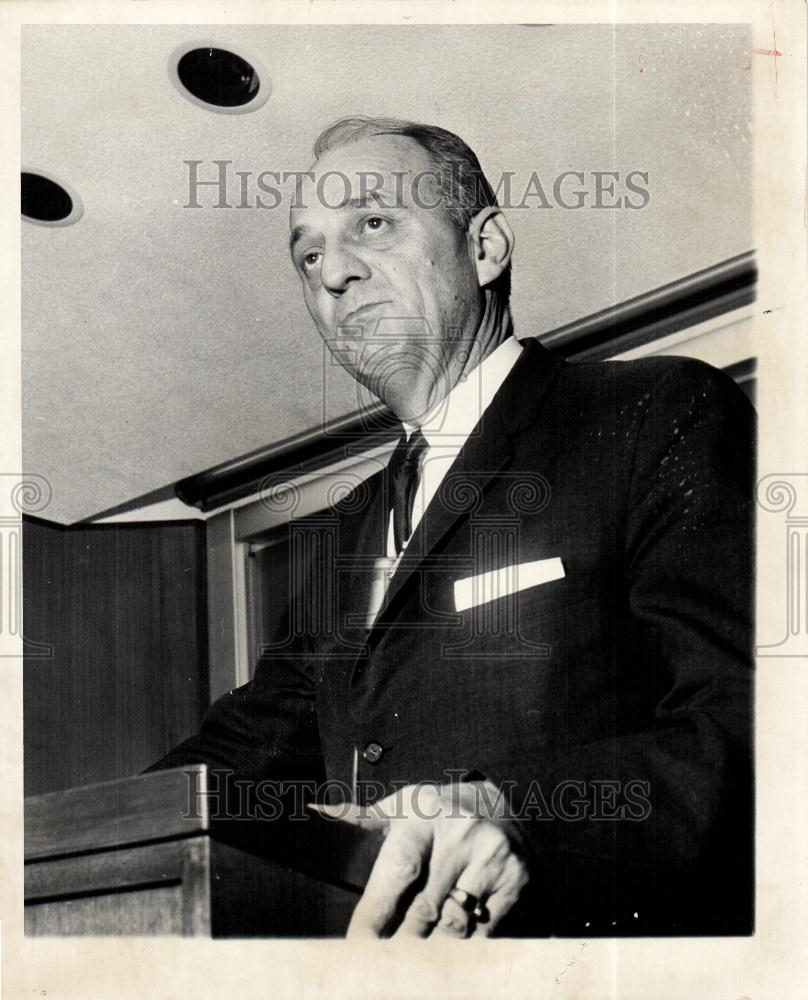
539 669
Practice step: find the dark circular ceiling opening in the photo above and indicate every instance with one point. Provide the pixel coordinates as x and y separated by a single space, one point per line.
218 77
45 200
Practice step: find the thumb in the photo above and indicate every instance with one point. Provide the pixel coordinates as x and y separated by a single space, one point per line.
366 817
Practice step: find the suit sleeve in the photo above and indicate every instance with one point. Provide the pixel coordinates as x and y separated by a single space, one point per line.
266 729
681 856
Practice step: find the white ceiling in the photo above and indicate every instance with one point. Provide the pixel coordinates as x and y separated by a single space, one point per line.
160 340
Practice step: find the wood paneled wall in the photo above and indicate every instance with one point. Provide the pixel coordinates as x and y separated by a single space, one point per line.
124 608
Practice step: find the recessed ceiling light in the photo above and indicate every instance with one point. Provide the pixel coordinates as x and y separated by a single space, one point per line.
219 78
46 201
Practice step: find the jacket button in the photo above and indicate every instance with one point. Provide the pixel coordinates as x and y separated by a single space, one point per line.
372 753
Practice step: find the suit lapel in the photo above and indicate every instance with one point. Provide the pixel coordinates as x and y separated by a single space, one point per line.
487 452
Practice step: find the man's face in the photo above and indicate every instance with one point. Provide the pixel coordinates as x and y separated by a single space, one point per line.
387 277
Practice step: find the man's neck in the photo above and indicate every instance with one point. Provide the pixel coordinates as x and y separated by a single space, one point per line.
475 384
462 356
487 340
495 327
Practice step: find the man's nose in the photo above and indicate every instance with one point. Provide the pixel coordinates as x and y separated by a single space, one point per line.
340 267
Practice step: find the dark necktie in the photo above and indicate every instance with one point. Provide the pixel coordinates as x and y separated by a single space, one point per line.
405 471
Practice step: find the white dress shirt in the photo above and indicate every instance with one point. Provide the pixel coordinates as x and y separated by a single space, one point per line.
446 429
448 425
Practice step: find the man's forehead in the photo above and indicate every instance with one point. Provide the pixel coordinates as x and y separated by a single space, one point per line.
376 168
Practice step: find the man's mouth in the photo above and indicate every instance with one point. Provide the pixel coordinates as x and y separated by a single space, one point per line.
359 312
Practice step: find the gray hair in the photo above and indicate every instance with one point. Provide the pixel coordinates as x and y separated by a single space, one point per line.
464 187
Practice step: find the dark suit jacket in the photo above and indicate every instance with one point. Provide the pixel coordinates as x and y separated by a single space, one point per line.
613 705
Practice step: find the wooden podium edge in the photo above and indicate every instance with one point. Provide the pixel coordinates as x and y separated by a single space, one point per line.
181 803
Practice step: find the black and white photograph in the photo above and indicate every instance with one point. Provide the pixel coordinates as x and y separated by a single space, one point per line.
406 546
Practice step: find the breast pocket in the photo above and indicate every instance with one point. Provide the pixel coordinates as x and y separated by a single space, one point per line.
506 581
522 623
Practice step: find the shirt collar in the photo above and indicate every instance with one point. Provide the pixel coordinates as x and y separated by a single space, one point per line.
459 412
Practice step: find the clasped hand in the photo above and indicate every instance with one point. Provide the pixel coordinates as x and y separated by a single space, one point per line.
455 834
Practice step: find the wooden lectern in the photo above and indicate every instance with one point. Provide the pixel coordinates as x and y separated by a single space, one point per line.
147 855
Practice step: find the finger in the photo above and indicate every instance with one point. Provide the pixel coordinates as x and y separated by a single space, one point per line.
455 921
472 859
497 906
458 918
449 859
397 866
503 898
367 817
495 878
425 909
491 859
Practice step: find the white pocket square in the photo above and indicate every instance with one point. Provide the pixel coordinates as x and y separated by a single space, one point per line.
474 590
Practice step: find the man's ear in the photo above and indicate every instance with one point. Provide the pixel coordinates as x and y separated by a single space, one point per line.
492 242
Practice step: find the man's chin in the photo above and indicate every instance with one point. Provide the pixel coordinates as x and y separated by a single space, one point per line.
410 405
406 376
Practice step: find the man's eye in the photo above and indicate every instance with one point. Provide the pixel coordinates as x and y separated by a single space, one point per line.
310 260
375 223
